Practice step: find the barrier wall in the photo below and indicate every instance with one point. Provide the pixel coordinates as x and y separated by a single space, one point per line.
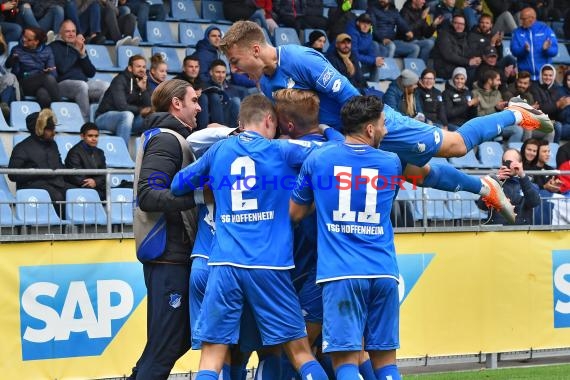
76 309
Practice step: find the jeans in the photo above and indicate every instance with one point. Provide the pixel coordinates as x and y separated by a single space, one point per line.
406 49
90 19
118 122
82 93
143 11
425 46
513 133
43 86
11 30
386 51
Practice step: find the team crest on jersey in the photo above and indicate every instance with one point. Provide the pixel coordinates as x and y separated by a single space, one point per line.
325 77
499 129
290 83
420 147
175 300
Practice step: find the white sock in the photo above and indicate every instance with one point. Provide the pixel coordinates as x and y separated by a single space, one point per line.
485 190
518 116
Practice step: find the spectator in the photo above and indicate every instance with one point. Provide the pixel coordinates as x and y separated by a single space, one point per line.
521 88
46 14
452 50
430 99
9 85
317 40
300 14
445 9
508 70
346 62
518 188
472 10
386 22
460 106
118 26
546 93
563 163
126 102
208 50
143 12
400 95
39 151
90 18
33 64
10 20
548 184
191 73
481 37
158 71
529 153
86 155
224 100
74 68
504 20
260 11
415 13
534 44
339 19
489 62
364 49
563 104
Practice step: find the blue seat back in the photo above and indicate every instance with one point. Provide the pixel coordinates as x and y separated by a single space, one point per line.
68 114
99 56
83 206
562 57
116 179
104 77
417 65
189 34
65 143
125 52
170 56
4 125
212 10
286 36
506 44
116 152
122 206
389 70
436 205
462 206
4 159
515 145
158 32
183 10
553 150
5 189
467 161
7 217
490 154
34 207
18 138
19 110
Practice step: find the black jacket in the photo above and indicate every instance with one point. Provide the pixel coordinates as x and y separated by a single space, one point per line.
450 51
163 155
70 64
356 79
82 156
418 25
124 95
36 153
456 108
432 104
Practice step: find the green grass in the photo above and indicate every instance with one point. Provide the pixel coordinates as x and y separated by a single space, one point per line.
554 372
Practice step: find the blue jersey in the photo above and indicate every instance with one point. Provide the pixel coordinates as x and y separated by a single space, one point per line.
304 68
355 236
252 178
206 231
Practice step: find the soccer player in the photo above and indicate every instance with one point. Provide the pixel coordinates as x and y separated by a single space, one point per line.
293 66
356 262
252 249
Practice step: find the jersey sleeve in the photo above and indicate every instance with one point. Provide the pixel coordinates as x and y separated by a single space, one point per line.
303 192
193 176
296 151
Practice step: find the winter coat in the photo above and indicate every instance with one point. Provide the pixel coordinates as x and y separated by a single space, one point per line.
82 156
70 64
455 103
362 47
534 59
124 94
357 79
386 22
207 53
488 100
431 102
394 97
451 50
25 62
418 25
546 96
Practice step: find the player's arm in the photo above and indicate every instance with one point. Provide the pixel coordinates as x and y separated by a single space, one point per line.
203 139
302 197
194 175
331 134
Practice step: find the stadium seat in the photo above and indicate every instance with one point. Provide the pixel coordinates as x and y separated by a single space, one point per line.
5 189
462 206
307 32
4 158
286 36
19 110
83 206
184 10
417 65
99 56
213 11
122 206
491 154
190 51
105 77
562 57
389 70
116 152
170 56
465 162
435 208
4 127
125 52
515 145
65 143
18 138
34 207
189 34
159 33
116 179
69 118
506 47
7 217
409 198
553 150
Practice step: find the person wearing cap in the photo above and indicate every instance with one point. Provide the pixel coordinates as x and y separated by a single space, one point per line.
489 61
345 61
400 95
39 151
364 48
460 105
317 40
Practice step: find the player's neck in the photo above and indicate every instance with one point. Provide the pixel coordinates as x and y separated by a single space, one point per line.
357 139
270 59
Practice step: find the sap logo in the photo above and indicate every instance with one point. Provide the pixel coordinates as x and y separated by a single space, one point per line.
76 310
561 288
411 269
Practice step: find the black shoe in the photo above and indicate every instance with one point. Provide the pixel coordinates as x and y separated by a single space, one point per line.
96 39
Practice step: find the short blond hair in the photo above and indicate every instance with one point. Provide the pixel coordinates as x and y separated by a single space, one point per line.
299 106
242 33
254 108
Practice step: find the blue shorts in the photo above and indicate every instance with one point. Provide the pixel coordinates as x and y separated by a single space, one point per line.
198 280
270 293
361 308
413 141
310 297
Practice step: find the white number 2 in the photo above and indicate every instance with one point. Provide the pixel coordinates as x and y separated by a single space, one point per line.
241 185
344 213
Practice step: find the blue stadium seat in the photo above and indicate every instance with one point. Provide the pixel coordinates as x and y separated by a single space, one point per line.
116 179
462 206
99 56
4 158
5 189
515 145
435 204
105 77
506 47
19 110
69 118
190 51
7 217
116 152
417 65
411 198
307 32
65 143
17 138
4 127
159 33
553 150
562 57
170 56
467 161
125 52
286 36
390 70
184 10
122 206
189 33
83 206
34 207
213 11
490 154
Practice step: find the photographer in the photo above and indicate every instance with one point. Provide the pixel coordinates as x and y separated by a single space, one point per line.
518 188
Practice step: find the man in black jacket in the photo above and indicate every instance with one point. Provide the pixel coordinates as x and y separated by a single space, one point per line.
346 63
86 155
126 102
39 151
167 275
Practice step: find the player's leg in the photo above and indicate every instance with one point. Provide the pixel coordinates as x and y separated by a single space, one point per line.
385 364
365 366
